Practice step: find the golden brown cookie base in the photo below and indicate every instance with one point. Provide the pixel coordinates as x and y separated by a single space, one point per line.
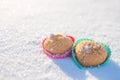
58 44
94 56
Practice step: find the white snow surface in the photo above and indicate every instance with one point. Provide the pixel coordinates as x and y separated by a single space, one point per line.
25 23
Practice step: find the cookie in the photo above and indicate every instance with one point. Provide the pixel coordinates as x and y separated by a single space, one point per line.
58 44
89 53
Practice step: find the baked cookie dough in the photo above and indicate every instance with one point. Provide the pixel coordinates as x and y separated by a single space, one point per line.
89 53
58 44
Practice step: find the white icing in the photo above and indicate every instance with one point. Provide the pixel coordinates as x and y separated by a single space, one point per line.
51 35
87 48
81 51
51 49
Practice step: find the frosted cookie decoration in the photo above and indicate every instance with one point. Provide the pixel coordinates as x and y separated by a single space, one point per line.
58 46
88 53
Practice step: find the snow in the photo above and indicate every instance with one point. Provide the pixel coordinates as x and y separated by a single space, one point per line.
24 24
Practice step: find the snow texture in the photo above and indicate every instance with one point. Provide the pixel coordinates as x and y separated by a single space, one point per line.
25 23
